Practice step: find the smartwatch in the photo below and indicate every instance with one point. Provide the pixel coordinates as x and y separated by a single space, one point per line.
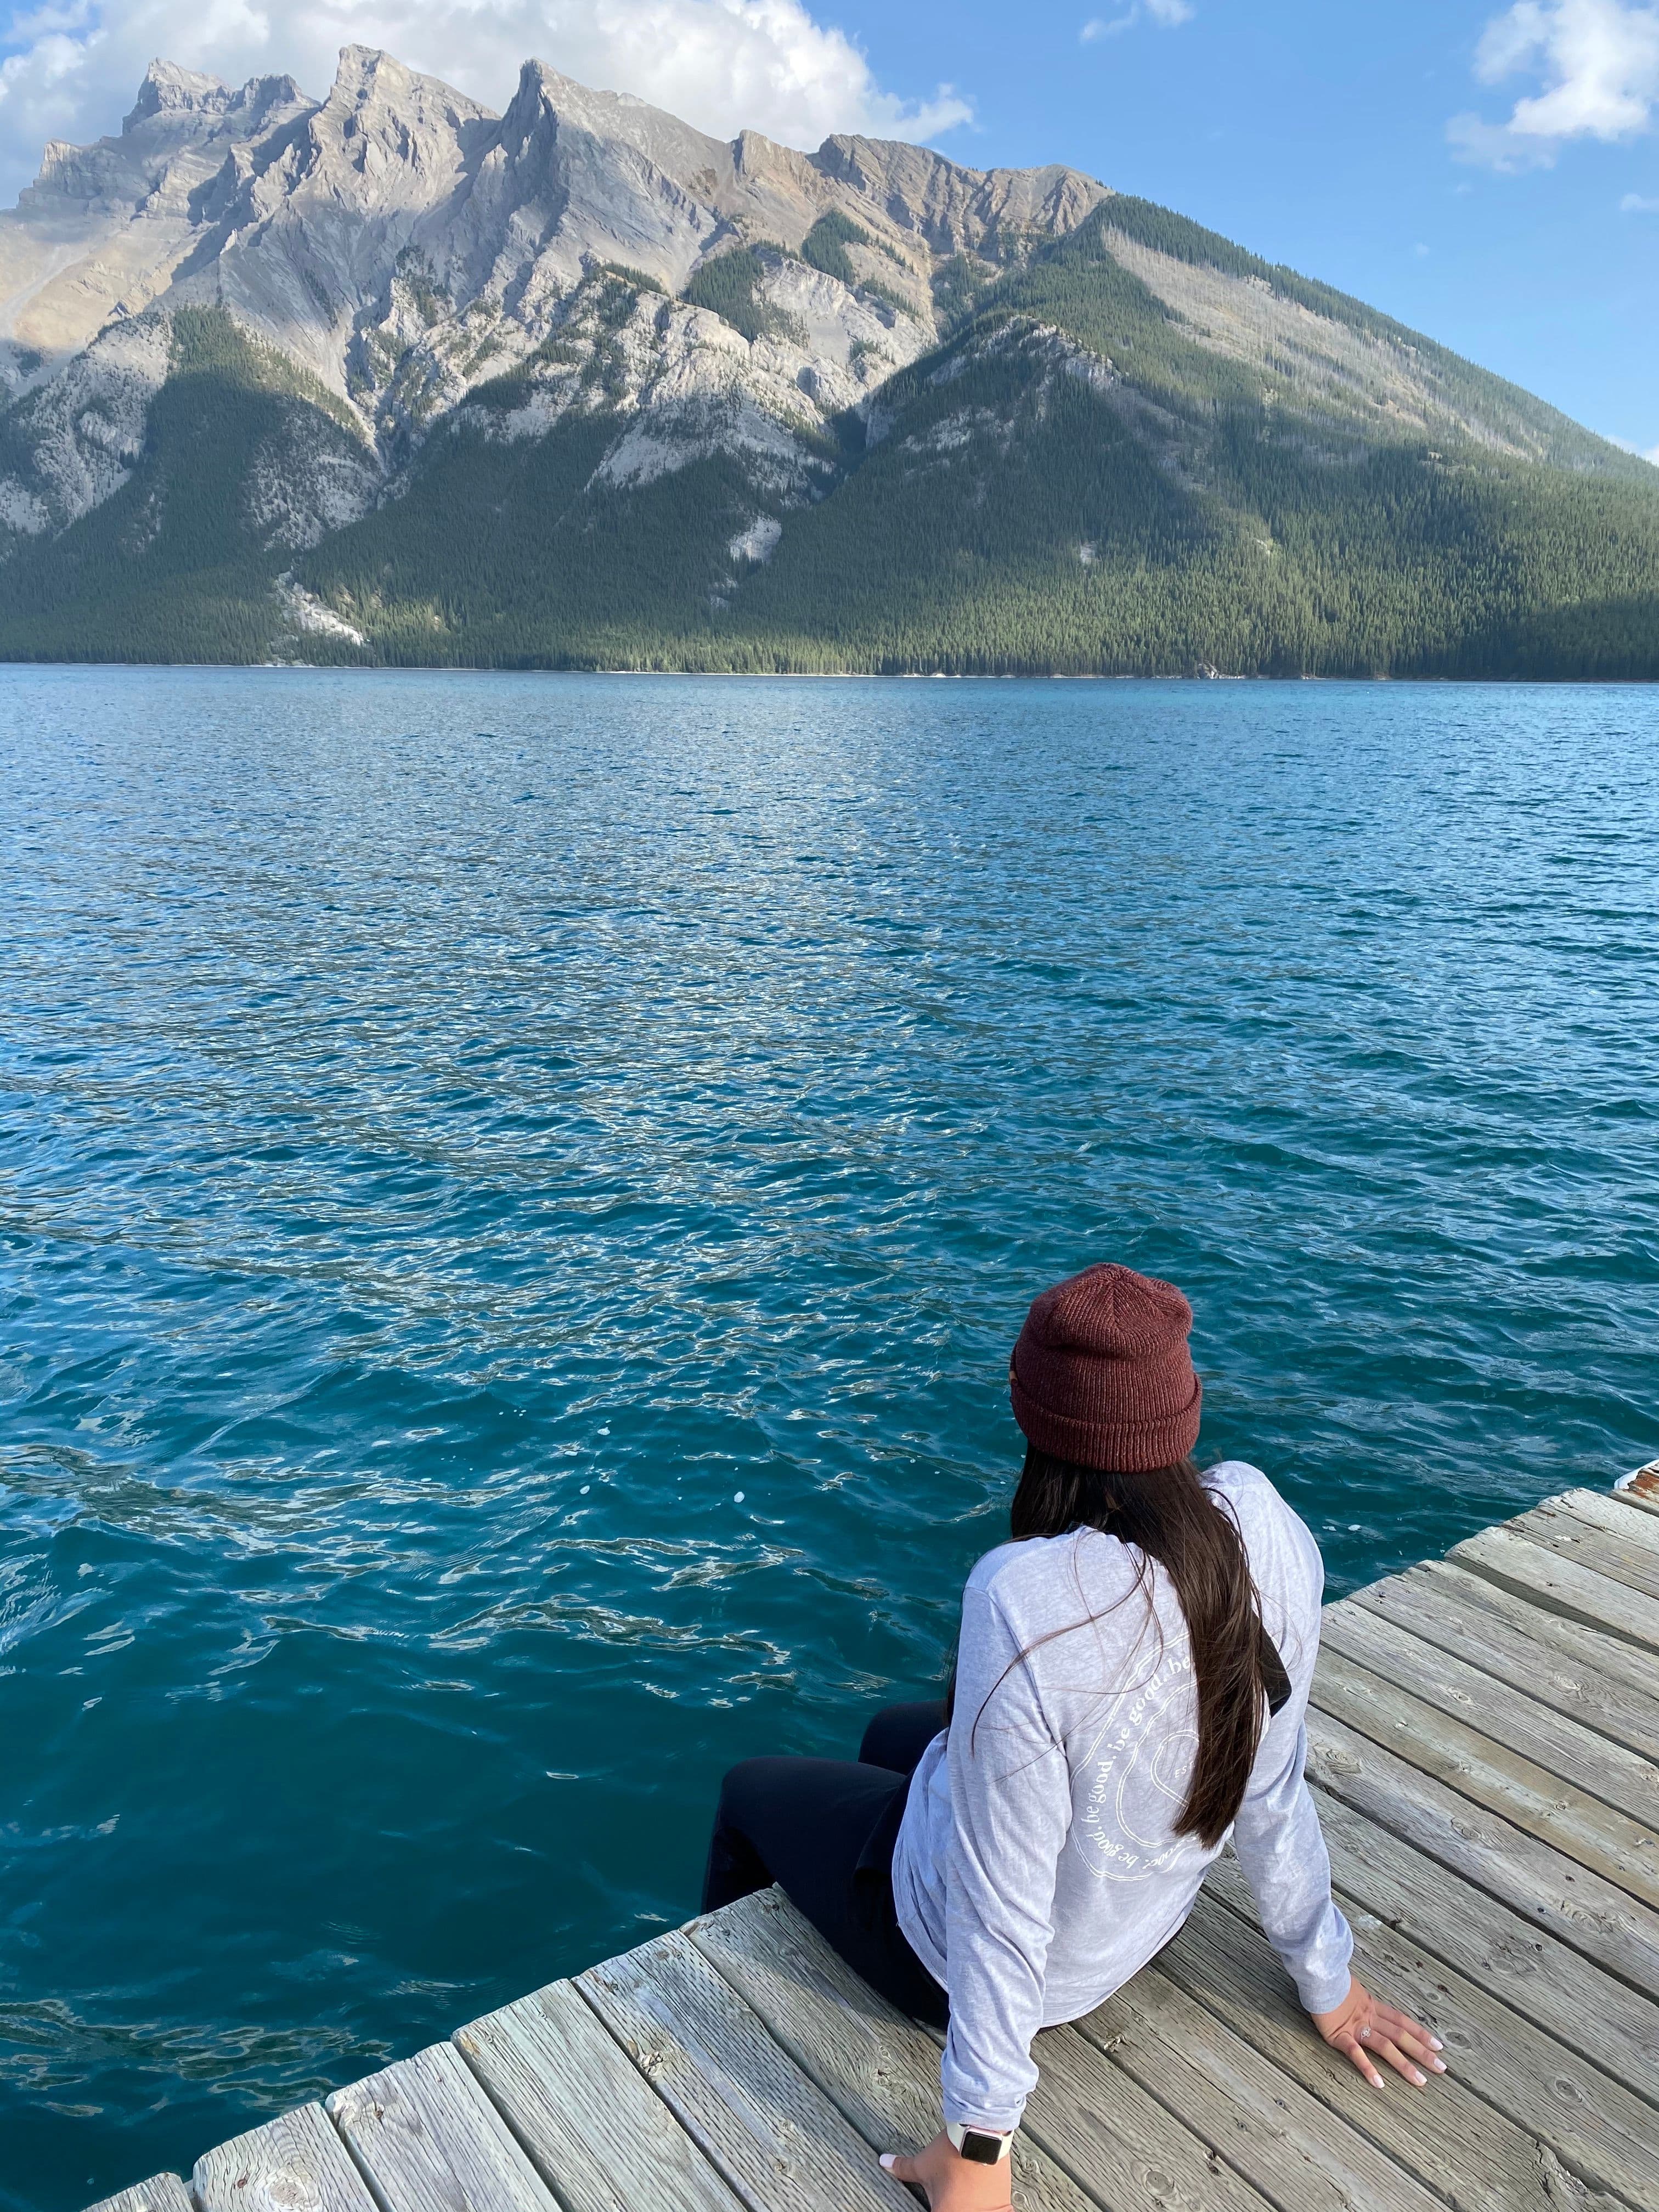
983 2145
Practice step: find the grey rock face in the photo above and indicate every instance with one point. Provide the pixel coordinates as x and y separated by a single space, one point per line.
103 230
76 437
407 247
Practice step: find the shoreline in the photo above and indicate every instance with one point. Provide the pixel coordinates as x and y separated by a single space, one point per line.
840 675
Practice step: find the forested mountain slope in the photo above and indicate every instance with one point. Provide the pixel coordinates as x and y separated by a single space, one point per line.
388 378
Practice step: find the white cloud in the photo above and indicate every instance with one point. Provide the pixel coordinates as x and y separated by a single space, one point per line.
1634 204
1167 15
1596 62
74 65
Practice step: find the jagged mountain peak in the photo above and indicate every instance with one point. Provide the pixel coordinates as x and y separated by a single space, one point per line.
679 149
167 90
404 137
175 106
172 96
104 227
369 77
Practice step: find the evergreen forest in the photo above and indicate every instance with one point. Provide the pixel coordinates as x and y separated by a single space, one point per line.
1075 480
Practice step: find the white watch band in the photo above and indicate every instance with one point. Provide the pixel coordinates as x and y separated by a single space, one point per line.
981 2138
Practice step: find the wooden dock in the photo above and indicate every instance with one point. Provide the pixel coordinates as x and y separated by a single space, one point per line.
1485 1745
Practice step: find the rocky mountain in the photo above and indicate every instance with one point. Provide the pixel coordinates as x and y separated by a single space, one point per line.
388 376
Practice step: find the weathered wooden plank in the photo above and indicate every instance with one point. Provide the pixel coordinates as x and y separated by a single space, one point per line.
1536 1572
1125 2148
774 2134
1604 1685
1621 1850
591 2124
162 2193
1594 2125
1622 1555
1291 2146
1641 1488
1521 1722
1614 1930
292 2160
1455 2143
1614 2027
430 2141
1609 1510
881 2069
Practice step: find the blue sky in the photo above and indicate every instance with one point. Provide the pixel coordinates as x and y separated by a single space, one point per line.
1487 172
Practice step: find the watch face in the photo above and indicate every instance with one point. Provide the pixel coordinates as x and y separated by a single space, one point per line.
984 2150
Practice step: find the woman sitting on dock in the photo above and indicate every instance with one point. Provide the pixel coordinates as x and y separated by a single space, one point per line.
1130 1689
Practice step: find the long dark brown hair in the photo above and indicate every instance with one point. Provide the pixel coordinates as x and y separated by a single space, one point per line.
1175 1525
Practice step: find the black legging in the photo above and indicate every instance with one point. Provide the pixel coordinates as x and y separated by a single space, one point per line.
824 1830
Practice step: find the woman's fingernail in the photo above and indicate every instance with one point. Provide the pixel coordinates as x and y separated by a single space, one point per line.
887 2160
1438 2064
1435 2044
1421 2080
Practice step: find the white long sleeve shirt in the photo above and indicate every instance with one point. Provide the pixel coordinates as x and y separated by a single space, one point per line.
1038 1868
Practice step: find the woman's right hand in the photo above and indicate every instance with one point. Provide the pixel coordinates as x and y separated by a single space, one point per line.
1366 2029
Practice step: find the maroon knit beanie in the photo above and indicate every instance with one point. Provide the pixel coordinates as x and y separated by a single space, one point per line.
1102 1376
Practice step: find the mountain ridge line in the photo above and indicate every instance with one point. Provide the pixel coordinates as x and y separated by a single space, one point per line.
387 378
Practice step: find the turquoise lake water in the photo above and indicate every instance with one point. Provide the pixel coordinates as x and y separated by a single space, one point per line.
515 1196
